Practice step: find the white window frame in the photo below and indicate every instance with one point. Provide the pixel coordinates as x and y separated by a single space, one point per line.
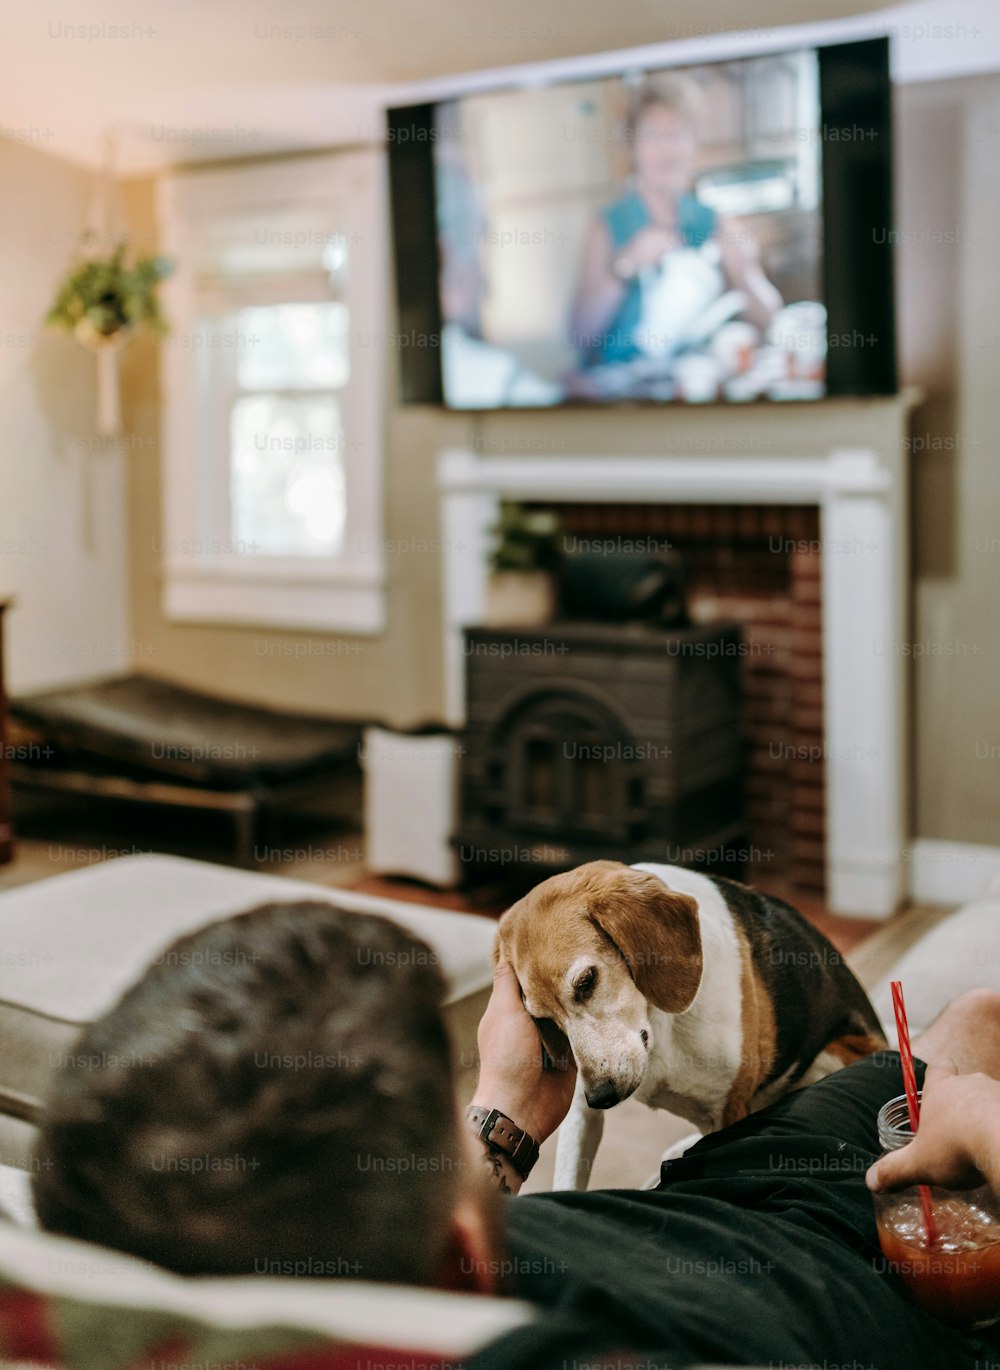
201 583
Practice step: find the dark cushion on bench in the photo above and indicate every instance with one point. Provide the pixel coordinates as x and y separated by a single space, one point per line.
160 728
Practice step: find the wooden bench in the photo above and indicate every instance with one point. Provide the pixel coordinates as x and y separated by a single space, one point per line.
147 741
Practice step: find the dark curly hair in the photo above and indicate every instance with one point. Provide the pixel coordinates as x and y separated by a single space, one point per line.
273 1097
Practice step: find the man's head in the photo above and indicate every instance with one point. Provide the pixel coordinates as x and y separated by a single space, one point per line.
275 1096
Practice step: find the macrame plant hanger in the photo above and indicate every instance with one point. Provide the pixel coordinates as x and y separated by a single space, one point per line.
104 229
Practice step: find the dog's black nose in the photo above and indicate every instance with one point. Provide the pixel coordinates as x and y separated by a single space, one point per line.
645 1037
604 1096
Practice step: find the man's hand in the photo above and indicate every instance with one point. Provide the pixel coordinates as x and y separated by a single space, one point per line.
958 1143
511 1075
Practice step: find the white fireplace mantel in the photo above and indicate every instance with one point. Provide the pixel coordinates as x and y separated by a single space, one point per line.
683 480
862 495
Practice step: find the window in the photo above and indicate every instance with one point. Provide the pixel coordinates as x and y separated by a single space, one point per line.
286 476
273 413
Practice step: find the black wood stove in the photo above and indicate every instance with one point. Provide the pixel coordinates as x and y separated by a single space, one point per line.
589 740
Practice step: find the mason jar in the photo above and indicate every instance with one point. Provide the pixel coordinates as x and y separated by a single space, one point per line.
957 1275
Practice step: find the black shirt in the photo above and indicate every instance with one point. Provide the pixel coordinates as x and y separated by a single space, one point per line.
759 1247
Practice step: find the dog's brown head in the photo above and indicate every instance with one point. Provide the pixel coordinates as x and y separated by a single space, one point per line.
595 948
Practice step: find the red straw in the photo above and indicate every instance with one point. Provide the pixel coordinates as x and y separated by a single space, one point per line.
912 1099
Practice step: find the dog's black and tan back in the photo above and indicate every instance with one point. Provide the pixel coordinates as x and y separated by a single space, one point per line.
819 1004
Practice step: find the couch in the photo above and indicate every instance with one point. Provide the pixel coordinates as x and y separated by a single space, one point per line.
71 945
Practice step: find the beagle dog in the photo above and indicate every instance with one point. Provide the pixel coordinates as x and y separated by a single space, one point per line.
694 993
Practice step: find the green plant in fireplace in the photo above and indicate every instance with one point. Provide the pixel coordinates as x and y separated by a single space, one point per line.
525 539
525 554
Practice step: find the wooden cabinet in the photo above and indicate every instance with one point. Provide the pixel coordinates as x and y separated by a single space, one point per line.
6 830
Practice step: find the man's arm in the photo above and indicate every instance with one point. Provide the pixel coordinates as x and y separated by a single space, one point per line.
515 1076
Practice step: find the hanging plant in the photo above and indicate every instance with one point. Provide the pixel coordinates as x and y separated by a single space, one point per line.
103 298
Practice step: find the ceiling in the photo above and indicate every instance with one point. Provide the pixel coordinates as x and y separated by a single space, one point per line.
190 80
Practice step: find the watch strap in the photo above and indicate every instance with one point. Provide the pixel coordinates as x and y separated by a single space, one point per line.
501 1134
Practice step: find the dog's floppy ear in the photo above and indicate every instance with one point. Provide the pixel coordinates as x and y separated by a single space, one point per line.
656 930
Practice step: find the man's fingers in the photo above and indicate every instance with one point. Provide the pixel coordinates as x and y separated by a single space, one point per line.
505 982
895 1171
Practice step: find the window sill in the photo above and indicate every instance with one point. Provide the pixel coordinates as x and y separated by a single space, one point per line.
313 603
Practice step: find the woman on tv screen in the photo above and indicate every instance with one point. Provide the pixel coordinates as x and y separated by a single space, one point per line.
661 271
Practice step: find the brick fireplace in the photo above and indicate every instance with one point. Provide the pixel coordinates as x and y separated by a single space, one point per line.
758 566
827 486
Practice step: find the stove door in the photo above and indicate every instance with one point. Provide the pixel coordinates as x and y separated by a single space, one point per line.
564 765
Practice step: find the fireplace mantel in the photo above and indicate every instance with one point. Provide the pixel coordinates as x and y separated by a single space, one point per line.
861 489
646 480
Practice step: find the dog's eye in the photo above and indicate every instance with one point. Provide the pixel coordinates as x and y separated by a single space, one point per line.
584 986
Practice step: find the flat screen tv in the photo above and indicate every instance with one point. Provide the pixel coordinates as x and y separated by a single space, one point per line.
708 233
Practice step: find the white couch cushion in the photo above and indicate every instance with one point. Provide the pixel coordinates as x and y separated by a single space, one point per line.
961 953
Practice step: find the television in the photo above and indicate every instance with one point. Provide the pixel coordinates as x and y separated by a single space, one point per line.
708 233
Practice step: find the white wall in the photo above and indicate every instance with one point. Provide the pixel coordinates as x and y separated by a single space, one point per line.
62 532
949 333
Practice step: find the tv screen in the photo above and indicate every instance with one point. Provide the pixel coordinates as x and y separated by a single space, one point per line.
689 234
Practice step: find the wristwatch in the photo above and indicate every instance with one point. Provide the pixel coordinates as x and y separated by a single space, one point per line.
501 1134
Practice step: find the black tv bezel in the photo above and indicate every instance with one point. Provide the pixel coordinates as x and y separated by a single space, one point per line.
857 215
